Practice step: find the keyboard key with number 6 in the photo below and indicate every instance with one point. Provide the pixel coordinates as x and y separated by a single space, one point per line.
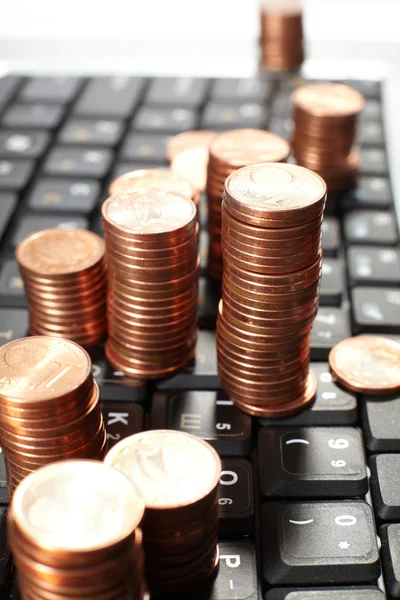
236 497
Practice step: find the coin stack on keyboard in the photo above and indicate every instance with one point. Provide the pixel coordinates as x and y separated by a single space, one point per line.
178 476
72 529
281 40
325 119
271 243
153 264
229 151
188 154
49 405
64 276
159 179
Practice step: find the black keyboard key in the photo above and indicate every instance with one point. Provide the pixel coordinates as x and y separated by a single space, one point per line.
3 481
241 90
385 486
312 462
203 210
8 203
114 385
380 419
331 593
282 104
234 116
390 536
15 174
370 133
372 110
4 550
333 405
330 236
282 126
177 91
60 90
12 291
114 97
78 162
368 87
8 87
164 120
371 227
121 419
202 372
318 543
204 242
376 310
23 144
208 299
53 195
332 282
208 415
31 223
331 325
150 148
368 265
102 132
371 192
373 161
236 503
13 324
33 116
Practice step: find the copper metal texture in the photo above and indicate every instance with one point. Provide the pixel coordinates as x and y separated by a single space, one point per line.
281 39
73 533
229 151
367 364
188 155
325 117
271 244
151 240
49 405
64 276
177 475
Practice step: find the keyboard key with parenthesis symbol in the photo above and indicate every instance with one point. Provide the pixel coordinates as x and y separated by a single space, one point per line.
315 543
236 505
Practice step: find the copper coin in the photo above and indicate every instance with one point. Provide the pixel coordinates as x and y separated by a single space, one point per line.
367 364
160 179
192 164
189 140
247 146
155 372
328 99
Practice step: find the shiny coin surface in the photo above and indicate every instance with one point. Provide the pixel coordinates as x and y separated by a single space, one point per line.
328 99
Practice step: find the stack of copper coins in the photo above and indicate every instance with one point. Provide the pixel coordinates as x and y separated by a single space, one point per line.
72 529
281 41
159 179
228 152
178 476
325 118
271 232
64 276
188 154
49 405
152 255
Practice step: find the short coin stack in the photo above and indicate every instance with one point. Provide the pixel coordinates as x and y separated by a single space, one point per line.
152 256
229 151
271 232
160 179
178 476
72 529
325 118
65 281
49 405
281 41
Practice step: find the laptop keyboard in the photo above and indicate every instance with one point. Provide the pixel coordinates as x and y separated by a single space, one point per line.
295 494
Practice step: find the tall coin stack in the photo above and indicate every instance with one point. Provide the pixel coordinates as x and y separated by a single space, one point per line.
72 529
159 179
49 405
325 118
271 233
152 256
64 276
178 476
281 41
229 151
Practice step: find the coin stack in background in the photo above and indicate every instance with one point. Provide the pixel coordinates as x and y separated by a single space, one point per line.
153 265
281 41
271 233
325 130
229 151
49 405
72 530
159 179
64 275
188 155
178 476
